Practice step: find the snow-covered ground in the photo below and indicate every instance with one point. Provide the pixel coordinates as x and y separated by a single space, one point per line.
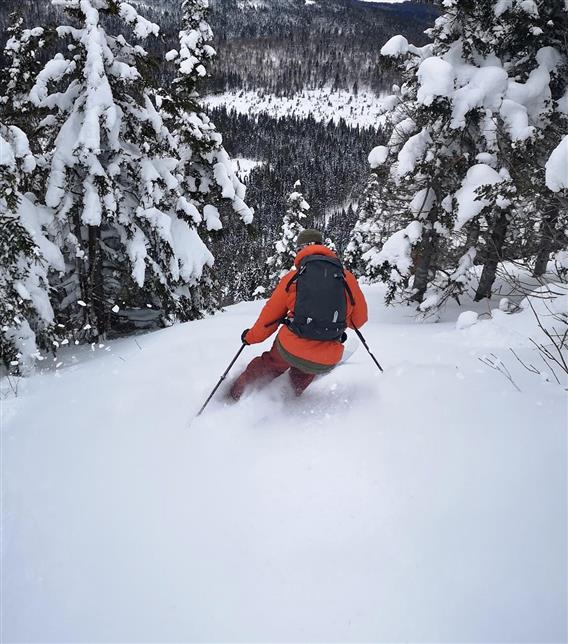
324 105
424 504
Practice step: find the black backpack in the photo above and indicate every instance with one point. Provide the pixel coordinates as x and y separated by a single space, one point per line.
321 304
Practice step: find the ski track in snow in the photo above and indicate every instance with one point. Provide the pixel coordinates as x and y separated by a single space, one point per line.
425 504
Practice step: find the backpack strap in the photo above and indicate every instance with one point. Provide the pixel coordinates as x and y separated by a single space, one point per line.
295 276
349 293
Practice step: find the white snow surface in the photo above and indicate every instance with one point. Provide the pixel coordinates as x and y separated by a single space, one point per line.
363 109
424 504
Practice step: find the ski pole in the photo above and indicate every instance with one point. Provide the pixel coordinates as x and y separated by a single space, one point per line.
367 347
221 379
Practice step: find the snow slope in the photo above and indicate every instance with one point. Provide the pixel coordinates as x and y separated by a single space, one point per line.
425 504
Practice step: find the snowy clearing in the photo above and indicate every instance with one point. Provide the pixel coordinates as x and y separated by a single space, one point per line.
425 504
357 110
243 167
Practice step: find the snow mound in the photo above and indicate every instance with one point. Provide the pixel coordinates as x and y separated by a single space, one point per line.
466 319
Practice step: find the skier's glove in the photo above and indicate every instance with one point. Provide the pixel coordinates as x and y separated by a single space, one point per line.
243 335
343 337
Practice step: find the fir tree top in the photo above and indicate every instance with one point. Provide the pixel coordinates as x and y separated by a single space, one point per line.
292 224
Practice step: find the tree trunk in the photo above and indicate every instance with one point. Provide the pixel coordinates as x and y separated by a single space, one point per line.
494 256
472 235
96 286
422 263
81 264
546 244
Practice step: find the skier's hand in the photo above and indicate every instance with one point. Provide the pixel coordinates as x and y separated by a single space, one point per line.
343 337
243 335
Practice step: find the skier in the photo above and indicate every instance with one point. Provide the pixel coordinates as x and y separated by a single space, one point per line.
314 302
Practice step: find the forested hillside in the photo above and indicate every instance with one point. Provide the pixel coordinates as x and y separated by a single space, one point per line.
331 161
281 45
286 45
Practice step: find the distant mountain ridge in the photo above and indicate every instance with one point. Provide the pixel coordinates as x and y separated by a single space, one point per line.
285 46
242 18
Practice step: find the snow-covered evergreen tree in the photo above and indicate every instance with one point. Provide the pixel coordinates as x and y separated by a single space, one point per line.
486 94
328 241
292 224
26 314
361 237
207 176
378 217
130 184
100 137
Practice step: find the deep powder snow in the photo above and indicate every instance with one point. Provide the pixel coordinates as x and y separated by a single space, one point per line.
425 504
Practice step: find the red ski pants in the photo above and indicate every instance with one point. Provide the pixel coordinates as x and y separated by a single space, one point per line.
265 368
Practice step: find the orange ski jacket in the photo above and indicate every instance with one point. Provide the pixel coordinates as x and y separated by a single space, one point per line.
281 304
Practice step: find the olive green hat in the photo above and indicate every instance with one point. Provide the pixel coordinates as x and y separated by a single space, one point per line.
309 236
